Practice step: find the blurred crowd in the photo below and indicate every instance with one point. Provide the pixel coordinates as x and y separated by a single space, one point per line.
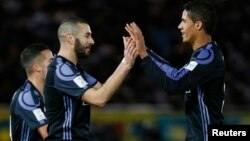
28 21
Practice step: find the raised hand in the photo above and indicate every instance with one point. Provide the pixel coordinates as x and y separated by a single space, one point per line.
130 51
136 34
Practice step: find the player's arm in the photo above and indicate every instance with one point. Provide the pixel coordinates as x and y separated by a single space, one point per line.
172 79
98 85
33 116
43 131
100 96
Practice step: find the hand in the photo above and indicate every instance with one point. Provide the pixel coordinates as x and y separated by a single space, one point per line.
130 51
136 34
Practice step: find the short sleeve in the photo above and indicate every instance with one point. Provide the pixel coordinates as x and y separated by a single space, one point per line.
70 81
30 109
92 81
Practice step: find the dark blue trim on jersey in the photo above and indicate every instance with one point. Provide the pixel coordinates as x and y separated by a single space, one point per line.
67 135
171 72
152 54
25 131
204 113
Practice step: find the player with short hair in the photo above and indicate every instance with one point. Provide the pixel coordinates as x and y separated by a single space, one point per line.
202 78
27 118
70 90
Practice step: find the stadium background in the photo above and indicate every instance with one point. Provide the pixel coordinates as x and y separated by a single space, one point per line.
140 110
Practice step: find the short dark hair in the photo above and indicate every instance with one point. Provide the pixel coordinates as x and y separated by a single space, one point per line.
201 10
30 53
70 25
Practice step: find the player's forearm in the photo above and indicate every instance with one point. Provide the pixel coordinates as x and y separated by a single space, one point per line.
155 56
160 77
112 84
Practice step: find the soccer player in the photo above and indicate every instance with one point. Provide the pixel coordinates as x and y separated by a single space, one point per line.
70 90
27 118
202 78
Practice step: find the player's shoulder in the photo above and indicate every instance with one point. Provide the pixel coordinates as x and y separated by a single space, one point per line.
205 54
28 97
65 70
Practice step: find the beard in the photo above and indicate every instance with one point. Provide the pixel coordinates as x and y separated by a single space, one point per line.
80 50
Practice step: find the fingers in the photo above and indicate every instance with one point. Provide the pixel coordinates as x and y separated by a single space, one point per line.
134 31
138 47
130 44
125 43
130 51
126 40
134 52
136 27
130 30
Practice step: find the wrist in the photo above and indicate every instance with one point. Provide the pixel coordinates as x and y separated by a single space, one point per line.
126 63
143 54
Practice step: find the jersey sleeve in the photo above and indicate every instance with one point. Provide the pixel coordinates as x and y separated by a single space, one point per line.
172 79
71 81
30 109
92 81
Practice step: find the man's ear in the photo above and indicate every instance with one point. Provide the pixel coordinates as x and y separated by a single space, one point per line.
199 25
69 38
36 68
